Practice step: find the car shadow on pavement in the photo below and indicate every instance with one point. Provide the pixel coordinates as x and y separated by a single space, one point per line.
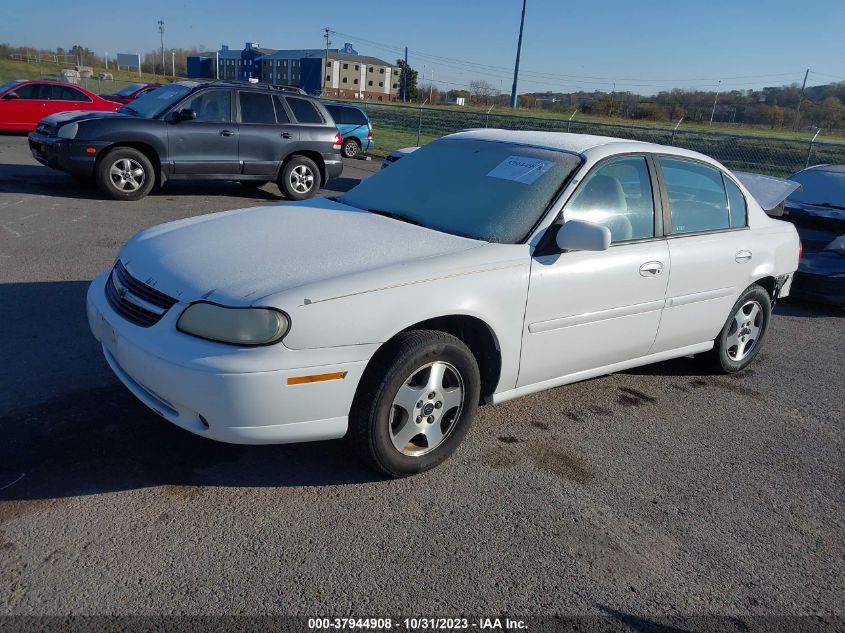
800 308
43 181
94 436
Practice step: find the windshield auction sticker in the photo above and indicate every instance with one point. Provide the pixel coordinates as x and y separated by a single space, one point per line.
520 169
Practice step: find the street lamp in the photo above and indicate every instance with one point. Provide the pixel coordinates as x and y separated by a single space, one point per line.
161 33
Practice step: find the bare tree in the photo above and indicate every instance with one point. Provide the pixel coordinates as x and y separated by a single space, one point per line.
482 90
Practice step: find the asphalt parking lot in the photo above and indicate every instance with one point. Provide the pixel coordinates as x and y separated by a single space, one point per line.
661 491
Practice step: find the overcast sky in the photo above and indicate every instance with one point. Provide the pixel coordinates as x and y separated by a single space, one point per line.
642 46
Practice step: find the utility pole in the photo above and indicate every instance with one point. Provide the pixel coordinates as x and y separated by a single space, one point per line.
326 32
518 51
612 93
800 101
431 86
715 101
405 78
161 33
173 61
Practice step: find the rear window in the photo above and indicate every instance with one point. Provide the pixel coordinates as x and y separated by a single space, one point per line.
256 107
64 93
354 116
304 110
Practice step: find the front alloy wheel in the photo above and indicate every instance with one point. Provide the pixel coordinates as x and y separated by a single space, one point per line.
124 173
425 408
415 403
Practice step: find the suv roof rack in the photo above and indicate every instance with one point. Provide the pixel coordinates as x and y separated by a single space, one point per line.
261 84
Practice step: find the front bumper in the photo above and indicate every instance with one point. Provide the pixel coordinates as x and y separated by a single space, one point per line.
70 156
225 393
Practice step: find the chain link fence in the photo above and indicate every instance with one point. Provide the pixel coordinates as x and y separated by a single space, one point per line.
401 126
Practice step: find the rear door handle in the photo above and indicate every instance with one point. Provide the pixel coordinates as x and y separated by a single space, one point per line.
742 256
651 269
227 133
286 135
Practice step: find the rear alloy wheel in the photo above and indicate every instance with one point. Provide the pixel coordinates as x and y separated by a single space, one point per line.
415 403
125 173
742 336
300 178
350 148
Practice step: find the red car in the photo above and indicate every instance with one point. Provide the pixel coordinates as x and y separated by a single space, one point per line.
24 103
130 93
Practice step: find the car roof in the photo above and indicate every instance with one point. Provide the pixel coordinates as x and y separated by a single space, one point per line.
585 144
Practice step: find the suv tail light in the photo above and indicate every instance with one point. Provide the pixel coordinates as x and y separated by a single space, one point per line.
337 141
370 133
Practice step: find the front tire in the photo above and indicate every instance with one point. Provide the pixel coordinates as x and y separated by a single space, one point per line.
742 336
415 404
350 148
300 179
124 173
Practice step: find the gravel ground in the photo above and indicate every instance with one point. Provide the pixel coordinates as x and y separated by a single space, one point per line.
657 492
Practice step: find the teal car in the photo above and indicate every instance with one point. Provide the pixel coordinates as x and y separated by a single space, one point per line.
354 127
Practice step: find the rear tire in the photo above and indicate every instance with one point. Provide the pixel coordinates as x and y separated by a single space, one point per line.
300 179
124 173
416 402
743 334
350 148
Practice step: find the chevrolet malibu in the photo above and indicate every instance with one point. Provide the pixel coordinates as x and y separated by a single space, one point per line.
486 266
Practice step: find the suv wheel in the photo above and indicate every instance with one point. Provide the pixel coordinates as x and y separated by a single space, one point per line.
125 174
300 178
415 404
351 148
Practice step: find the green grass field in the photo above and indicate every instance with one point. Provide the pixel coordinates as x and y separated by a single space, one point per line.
14 69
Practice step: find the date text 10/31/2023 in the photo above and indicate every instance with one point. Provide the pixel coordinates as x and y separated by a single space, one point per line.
417 624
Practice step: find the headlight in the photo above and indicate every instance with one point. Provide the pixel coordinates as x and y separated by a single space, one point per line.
68 131
236 326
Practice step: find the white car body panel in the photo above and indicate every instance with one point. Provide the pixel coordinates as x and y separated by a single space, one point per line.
351 280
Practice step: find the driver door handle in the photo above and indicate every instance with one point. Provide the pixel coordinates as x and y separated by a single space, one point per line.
651 269
227 133
286 135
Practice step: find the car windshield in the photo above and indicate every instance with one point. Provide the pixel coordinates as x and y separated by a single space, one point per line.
154 102
129 90
4 87
826 188
485 190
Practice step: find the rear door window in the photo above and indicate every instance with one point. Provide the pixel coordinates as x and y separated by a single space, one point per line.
697 197
257 107
304 110
281 113
66 93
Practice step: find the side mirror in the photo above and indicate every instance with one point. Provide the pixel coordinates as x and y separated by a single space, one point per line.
11 95
577 235
186 114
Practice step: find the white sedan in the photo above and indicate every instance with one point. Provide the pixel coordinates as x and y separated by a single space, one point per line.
488 265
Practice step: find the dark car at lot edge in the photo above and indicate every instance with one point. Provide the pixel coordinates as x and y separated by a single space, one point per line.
818 213
130 93
217 130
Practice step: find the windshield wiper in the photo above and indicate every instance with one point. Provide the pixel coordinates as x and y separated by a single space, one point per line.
130 109
394 216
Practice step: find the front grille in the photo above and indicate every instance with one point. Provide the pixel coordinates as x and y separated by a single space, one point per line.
136 301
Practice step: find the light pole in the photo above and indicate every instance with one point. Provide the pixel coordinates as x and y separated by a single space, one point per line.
161 33
518 51
713 112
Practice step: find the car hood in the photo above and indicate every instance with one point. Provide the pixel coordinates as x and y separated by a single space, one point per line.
239 257
76 116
